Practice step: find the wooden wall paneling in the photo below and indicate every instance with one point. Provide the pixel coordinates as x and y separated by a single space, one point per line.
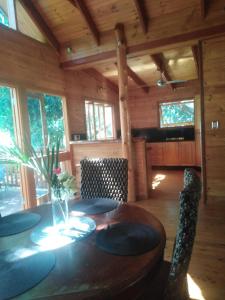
124 111
214 108
87 85
144 112
29 63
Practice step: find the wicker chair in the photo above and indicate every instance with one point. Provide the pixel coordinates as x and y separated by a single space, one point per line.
170 282
104 178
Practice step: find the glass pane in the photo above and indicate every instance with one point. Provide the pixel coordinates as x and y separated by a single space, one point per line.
36 130
91 121
54 118
177 113
101 122
108 122
97 123
4 13
11 199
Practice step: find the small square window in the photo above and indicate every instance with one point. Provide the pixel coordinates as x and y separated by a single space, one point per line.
175 114
99 120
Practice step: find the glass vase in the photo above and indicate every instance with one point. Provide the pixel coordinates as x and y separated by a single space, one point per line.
60 212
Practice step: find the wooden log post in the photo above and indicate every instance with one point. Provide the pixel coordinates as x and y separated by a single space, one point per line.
124 113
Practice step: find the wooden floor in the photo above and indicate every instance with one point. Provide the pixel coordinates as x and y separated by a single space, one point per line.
207 269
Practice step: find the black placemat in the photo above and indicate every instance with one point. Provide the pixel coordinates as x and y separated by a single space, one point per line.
20 275
95 205
17 223
128 238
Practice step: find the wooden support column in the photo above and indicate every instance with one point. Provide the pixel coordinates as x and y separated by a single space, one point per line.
124 113
22 134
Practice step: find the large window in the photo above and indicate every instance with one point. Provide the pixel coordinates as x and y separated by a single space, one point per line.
99 120
11 199
180 113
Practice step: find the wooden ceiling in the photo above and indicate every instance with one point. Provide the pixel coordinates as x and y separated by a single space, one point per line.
160 35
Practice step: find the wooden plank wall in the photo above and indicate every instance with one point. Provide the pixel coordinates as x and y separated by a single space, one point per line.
29 63
144 107
87 85
214 91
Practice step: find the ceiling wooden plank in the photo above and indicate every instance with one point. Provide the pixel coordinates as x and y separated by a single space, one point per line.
40 22
139 4
145 47
137 80
195 53
80 4
160 64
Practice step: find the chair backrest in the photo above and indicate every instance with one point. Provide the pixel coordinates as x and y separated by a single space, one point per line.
189 200
104 178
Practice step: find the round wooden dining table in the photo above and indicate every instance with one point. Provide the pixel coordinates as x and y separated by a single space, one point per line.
84 271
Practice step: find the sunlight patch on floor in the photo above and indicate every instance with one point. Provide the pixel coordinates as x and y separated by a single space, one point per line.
195 292
157 180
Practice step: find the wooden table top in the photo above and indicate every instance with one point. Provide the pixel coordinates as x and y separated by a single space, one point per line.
83 271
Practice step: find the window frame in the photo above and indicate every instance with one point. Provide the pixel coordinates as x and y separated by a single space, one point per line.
10 12
100 103
175 125
40 96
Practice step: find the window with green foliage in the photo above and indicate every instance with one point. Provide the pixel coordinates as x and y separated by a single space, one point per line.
99 120
180 113
46 119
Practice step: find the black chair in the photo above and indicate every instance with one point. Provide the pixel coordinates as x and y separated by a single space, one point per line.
170 281
104 178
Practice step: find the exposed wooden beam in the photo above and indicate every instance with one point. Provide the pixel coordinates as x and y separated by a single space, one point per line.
139 4
144 48
137 80
160 64
40 22
203 8
195 52
80 4
124 112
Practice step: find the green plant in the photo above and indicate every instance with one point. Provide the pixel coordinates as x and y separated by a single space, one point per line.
46 164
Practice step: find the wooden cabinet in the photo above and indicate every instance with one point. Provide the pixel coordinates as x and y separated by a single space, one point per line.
172 153
155 154
186 153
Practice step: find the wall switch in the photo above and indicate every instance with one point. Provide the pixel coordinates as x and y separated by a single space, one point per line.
215 124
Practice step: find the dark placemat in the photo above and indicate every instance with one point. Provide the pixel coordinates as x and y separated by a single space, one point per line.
17 223
20 275
95 205
128 238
